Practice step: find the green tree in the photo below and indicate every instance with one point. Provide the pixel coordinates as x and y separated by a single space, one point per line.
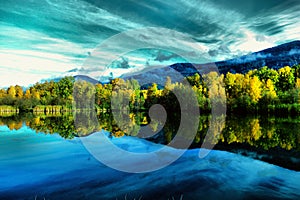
84 95
266 73
64 90
286 80
152 95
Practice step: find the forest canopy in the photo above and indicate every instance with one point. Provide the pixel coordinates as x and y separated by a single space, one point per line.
263 90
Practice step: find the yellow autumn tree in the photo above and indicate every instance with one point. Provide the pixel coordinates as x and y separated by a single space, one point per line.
215 83
297 84
2 93
12 91
255 89
297 89
270 89
27 94
234 85
35 93
255 129
19 91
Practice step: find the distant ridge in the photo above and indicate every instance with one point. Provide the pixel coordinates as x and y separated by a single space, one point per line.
287 54
85 78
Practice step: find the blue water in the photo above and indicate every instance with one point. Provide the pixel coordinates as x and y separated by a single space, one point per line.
37 166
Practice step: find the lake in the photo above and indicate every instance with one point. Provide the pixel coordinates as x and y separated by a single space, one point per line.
47 157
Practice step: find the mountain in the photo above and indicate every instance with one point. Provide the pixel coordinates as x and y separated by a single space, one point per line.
283 55
85 78
287 54
76 77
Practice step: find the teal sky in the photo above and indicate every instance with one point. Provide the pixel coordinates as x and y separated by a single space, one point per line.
42 39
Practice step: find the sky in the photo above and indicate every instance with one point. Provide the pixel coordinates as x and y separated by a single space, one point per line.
42 39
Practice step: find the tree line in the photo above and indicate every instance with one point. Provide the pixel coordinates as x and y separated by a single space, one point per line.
263 90
47 93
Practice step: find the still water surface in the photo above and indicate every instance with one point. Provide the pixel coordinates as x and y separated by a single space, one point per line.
43 157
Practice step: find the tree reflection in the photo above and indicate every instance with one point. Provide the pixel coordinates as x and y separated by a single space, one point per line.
86 123
263 133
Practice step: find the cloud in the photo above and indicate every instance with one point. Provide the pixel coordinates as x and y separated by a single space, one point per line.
222 49
294 51
89 14
24 67
122 64
161 56
52 36
251 57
